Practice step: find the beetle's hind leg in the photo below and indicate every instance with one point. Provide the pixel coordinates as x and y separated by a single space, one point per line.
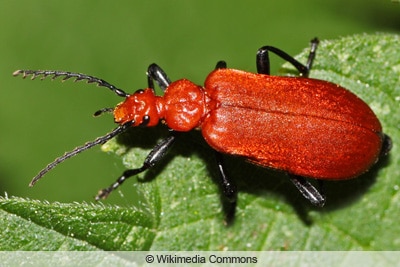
315 196
263 64
386 145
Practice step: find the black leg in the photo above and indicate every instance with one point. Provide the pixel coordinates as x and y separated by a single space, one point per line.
311 56
386 145
229 190
155 73
308 190
155 155
228 187
263 64
220 65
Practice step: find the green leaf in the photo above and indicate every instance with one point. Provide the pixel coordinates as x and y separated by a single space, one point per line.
179 205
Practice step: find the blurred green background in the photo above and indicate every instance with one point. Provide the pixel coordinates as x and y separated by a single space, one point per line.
117 40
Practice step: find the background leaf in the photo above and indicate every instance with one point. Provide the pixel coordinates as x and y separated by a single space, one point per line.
180 208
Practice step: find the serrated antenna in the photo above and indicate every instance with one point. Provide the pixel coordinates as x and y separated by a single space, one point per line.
43 74
77 150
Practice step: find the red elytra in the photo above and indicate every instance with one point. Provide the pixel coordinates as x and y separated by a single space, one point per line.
305 127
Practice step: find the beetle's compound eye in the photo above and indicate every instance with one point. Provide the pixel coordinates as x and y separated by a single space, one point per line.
145 120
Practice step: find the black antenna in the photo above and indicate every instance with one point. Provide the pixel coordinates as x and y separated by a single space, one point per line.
103 110
67 155
67 75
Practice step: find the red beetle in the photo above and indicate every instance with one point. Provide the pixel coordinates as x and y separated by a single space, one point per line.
305 127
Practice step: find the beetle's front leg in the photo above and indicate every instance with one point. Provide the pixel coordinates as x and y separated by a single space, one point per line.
156 73
155 155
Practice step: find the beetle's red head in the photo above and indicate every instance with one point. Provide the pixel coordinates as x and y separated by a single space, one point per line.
140 107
